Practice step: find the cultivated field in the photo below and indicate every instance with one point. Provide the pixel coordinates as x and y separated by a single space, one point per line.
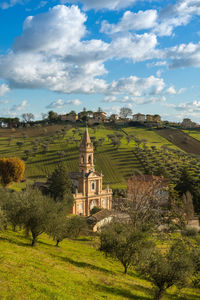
142 150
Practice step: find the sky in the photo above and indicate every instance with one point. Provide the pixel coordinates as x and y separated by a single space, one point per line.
65 55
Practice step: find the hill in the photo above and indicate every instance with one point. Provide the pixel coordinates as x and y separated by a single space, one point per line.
75 270
43 148
181 139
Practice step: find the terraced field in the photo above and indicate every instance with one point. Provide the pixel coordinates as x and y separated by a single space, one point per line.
43 152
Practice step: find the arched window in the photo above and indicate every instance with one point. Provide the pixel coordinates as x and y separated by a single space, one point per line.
92 185
89 159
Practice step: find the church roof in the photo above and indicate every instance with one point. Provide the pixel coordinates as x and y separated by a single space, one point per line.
86 141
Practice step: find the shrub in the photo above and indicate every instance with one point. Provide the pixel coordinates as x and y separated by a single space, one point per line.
11 169
190 232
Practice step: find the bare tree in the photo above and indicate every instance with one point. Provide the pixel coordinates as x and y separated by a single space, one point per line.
27 117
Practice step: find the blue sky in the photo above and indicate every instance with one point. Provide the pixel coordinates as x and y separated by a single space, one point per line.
65 55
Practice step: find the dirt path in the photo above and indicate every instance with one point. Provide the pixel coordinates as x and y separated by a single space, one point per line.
181 139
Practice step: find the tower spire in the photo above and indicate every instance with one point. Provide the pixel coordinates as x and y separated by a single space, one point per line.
86 154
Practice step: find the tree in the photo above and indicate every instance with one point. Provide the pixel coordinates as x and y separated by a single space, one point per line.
52 116
27 117
123 242
125 112
166 269
11 169
63 228
95 210
3 220
187 183
38 211
60 185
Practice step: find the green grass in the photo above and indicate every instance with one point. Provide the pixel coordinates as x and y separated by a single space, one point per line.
75 270
193 133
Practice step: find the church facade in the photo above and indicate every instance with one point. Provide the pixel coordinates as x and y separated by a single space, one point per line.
87 183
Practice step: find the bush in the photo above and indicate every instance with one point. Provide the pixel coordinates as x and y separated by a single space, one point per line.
190 232
11 169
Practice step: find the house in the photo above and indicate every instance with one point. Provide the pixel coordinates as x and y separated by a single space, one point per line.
99 116
69 117
100 219
139 118
114 117
87 183
149 118
141 187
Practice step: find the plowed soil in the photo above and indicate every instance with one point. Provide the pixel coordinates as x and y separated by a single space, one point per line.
181 139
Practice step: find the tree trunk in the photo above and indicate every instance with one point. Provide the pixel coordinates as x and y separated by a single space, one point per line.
159 294
34 239
125 269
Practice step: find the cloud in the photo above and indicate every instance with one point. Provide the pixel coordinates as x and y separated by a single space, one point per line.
18 108
61 59
103 4
184 55
176 15
134 100
4 89
61 103
11 3
136 86
186 108
131 21
172 91
75 102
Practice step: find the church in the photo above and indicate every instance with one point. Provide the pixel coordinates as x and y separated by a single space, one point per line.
87 182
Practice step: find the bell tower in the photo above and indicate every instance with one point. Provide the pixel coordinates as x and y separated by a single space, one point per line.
86 163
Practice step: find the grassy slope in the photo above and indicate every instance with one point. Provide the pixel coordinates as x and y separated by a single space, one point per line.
194 133
75 270
116 165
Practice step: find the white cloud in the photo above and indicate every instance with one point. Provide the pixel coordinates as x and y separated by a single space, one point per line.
75 102
134 100
137 86
134 46
184 55
103 4
132 21
61 103
18 108
4 89
61 60
172 91
10 3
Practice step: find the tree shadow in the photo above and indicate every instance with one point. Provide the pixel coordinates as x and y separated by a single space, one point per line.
126 294
81 264
19 243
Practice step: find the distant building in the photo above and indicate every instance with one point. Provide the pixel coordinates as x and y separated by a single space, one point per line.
114 117
99 116
147 186
87 183
69 117
139 118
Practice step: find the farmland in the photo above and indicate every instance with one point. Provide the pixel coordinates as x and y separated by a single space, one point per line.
140 150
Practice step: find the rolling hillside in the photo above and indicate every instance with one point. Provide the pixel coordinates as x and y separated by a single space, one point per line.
75 270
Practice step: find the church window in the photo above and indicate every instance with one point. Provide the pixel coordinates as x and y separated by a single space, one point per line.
92 185
89 159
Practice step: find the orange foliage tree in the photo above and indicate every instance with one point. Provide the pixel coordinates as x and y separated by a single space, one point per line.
11 169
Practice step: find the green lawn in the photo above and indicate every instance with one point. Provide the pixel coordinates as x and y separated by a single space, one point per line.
75 270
